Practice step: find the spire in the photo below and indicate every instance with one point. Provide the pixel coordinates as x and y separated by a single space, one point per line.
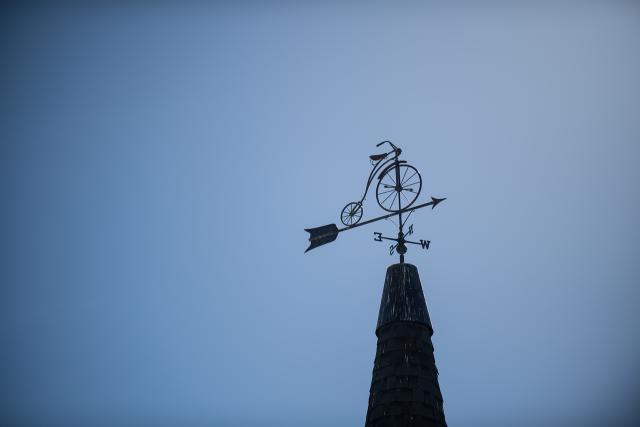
404 386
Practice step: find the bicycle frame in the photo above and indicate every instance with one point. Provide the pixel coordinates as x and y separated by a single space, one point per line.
380 166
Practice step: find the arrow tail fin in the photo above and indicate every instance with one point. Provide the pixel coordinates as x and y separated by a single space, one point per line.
321 235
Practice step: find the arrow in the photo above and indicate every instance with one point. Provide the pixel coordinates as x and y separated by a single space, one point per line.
328 233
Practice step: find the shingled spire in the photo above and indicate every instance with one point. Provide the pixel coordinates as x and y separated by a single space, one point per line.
404 387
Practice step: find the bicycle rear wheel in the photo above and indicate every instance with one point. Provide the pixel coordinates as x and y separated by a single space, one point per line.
351 213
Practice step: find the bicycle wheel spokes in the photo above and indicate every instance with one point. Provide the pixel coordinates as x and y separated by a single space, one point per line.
390 180
351 213
406 193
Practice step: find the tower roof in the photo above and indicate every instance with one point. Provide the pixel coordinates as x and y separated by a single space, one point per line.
402 297
404 384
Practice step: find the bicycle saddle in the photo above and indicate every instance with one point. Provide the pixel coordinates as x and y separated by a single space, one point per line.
375 157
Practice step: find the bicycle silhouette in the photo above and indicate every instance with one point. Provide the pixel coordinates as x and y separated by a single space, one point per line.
398 187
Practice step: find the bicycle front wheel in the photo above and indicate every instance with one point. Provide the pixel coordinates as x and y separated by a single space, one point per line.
394 194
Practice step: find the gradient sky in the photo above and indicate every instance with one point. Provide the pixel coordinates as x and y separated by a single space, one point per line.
159 165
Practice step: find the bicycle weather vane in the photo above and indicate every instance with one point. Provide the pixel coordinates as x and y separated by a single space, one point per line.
398 187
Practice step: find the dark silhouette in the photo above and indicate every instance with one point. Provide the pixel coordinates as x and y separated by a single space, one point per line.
404 386
397 180
319 236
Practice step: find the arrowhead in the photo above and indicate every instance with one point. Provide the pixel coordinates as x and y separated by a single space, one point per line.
436 201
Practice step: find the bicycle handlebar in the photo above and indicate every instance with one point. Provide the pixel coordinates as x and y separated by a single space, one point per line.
390 143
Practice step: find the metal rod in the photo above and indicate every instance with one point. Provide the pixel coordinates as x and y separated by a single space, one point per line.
399 190
391 214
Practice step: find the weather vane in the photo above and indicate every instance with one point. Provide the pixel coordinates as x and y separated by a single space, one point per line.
398 187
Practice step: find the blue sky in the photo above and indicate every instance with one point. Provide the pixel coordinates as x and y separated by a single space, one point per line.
159 165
